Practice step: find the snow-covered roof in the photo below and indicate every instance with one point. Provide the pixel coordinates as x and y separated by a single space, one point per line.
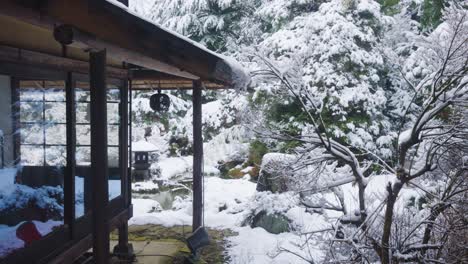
143 146
239 78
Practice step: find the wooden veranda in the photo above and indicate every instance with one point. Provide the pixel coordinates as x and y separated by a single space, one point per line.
99 43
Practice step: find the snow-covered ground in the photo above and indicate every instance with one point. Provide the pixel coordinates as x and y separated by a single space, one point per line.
236 196
227 204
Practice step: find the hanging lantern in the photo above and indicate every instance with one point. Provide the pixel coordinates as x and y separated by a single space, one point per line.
160 102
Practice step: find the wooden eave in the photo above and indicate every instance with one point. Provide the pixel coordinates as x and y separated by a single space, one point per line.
102 25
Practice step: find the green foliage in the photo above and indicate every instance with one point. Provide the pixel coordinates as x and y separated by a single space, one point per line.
431 13
221 24
288 146
287 113
180 146
235 173
256 152
390 7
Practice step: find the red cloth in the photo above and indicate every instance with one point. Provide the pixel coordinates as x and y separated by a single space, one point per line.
28 232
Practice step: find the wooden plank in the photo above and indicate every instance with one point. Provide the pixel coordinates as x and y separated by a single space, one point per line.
57 247
148 75
75 251
197 220
99 159
40 249
27 72
25 57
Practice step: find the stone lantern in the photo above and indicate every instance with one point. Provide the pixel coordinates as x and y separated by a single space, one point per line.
141 159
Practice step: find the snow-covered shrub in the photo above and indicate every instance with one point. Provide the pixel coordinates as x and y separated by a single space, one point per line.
43 203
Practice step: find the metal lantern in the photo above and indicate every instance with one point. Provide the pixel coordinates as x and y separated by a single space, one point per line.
160 102
197 240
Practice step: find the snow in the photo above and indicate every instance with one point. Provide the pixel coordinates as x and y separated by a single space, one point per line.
145 206
255 245
235 194
239 78
145 186
229 144
405 136
175 166
143 146
239 198
19 196
7 178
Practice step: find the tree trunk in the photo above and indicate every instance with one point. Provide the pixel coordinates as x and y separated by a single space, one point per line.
388 220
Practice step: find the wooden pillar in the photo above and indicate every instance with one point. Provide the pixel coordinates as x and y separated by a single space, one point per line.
123 143
69 177
15 117
99 166
123 249
197 156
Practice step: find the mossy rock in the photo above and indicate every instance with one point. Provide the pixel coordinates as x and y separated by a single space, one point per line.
272 223
236 173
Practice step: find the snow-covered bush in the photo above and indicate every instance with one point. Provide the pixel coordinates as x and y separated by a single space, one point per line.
47 200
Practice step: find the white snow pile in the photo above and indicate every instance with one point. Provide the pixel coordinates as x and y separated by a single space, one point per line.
227 204
145 186
229 144
18 196
175 167
234 195
7 177
143 146
273 203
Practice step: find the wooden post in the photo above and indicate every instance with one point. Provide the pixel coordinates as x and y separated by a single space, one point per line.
15 117
123 249
99 166
197 220
123 142
69 177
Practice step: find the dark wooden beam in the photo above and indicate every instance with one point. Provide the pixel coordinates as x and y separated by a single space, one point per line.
15 118
69 177
114 25
99 162
123 142
20 56
150 75
197 220
86 41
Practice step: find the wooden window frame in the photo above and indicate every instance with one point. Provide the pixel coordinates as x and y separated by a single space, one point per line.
73 238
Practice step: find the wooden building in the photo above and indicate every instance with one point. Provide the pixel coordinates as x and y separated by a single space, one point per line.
81 59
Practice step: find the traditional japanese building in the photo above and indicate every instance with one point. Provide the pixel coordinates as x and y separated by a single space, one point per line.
67 71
